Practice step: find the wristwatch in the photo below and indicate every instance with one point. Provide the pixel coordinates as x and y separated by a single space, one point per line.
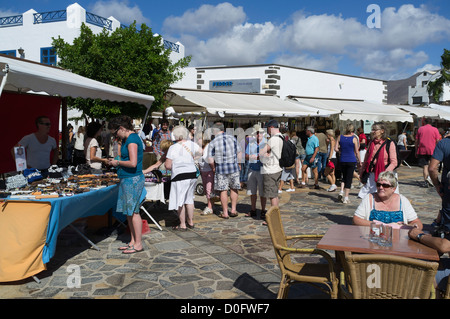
420 236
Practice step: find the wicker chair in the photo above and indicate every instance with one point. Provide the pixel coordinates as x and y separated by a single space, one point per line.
399 277
319 275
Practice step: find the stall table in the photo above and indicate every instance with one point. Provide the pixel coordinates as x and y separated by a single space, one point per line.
29 228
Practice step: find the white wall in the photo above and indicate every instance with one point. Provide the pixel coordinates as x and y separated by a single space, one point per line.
292 81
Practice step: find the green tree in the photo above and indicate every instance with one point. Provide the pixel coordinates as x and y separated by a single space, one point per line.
128 58
436 87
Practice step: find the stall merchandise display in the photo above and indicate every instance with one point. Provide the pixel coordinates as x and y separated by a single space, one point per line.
55 185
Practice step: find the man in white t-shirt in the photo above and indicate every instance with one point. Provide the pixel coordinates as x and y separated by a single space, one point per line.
270 158
39 145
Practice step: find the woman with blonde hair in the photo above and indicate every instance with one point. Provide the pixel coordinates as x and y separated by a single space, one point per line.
348 146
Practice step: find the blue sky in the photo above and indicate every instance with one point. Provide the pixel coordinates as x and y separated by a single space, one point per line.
327 35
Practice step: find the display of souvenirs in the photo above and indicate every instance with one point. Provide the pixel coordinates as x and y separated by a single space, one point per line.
60 182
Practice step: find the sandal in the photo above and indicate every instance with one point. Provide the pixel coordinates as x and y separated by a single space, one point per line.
251 213
128 246
234 214
221 215
263 214
179 228
132 250
190 226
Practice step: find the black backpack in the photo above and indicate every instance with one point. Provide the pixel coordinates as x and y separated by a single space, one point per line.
288 153
397 152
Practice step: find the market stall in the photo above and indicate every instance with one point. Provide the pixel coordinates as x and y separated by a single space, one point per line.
29 226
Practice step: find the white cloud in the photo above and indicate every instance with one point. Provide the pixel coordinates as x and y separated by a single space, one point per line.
207 20
121 10
221 34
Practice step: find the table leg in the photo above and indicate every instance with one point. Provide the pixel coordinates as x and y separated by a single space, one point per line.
148 214
82 235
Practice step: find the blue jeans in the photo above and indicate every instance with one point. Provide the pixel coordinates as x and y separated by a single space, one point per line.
322 163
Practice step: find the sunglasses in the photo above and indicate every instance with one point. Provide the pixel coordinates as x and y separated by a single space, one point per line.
384 185
46 124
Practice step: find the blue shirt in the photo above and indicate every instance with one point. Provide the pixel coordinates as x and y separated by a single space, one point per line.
253 149
442 154
311 145
124 172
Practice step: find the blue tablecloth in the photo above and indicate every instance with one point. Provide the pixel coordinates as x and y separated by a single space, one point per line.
65 210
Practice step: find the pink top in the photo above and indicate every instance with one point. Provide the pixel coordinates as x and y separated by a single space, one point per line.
426 139
392 155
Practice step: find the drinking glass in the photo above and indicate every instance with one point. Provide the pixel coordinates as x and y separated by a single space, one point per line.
385 236
374 232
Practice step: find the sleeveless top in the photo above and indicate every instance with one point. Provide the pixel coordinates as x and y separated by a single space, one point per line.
386 216
347 149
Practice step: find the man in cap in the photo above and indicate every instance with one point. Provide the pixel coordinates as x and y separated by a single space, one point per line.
270 156
255 179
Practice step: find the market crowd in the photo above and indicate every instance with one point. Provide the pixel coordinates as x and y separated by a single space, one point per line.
228 160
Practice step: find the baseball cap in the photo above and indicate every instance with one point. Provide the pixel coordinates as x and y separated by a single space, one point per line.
272 123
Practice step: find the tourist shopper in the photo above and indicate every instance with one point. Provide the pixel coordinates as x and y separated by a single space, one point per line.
311 160
300 154
78 148
255 178
441 156
223 156
131 186
39 146
402 142
331 161
180 159
426 140
92 149
322 155
207 178
270 158
348 147
385 206
163 133
378 159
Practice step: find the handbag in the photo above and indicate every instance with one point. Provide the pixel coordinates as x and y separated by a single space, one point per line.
197 174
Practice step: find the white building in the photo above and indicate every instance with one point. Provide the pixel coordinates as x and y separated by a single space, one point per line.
29 35
418 94
32 32
284 81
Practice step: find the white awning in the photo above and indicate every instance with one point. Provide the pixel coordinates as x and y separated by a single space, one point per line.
444 111
358 109
24 76
232 103
421 111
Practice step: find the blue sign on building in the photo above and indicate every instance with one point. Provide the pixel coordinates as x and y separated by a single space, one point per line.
240 85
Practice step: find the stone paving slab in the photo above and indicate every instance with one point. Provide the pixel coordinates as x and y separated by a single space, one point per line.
219 259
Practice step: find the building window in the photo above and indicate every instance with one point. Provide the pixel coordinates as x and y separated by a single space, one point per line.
417 100
48 56
9 52
424 83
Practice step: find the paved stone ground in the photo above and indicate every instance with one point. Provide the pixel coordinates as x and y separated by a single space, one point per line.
219 259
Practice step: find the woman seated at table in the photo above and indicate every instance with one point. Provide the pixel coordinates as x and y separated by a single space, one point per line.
386 206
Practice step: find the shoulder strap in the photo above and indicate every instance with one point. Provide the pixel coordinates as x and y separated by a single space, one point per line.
376 155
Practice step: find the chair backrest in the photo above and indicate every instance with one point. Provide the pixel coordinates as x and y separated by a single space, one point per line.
375 276
276 231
